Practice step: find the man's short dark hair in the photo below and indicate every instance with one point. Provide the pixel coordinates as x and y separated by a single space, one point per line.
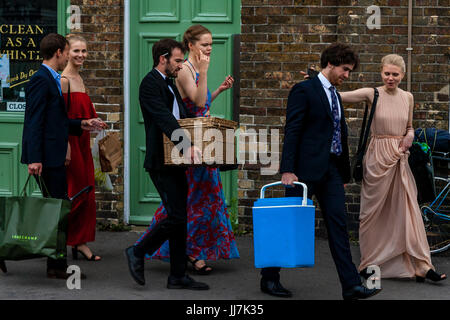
165 47
338 54
51 43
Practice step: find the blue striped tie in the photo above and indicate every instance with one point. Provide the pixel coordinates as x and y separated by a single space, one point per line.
336 144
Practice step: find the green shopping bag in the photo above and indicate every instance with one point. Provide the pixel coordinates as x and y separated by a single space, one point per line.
32 227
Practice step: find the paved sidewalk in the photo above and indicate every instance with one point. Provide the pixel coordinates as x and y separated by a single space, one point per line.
231 280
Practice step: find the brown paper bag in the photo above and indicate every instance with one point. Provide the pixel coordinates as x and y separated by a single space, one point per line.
110 152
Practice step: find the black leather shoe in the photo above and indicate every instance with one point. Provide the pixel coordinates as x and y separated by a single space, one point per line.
3 266
359 292
136 265
185 282
274 288
61 274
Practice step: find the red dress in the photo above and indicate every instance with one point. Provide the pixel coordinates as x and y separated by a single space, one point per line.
80 173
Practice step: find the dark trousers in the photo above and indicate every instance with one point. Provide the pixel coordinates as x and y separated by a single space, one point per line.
55 180
172 187
331 197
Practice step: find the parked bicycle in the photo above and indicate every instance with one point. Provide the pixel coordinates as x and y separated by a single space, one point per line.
436 215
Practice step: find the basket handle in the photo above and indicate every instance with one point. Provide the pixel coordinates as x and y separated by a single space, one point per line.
305 190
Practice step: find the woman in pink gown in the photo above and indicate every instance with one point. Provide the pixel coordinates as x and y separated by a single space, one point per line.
392 234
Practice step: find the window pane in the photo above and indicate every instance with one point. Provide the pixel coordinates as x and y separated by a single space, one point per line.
23 25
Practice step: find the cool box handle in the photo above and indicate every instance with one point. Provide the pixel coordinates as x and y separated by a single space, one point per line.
305 190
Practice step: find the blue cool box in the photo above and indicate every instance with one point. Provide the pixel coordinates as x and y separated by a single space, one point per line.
283 232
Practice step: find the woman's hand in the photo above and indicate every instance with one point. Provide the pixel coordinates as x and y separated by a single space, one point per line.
93 124
202 62
310 74
406 142
226 84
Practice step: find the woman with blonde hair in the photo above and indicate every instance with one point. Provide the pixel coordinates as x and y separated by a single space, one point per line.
209 232
80 166
392 234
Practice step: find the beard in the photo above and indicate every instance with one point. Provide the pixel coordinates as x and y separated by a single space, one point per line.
334 79
171 73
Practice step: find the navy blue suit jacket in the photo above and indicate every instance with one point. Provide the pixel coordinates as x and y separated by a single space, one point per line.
46 125
308 134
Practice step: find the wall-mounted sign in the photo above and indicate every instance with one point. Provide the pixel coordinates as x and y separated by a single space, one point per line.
23 24
15 106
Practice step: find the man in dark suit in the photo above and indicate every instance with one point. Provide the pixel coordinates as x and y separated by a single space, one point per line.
47 127
162 106
315 151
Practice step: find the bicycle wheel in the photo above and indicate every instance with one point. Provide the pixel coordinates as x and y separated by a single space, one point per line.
437 227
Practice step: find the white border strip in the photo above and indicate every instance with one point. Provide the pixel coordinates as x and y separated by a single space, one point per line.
126 98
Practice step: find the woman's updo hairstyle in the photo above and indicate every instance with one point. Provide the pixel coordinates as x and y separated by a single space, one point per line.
395 60
193 34
75 37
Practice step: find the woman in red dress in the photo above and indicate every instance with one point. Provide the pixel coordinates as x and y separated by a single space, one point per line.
80 166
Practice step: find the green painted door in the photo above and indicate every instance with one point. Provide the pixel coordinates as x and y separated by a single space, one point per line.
22 27
151 21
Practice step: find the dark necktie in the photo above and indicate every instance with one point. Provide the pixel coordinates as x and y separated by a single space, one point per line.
169 82
336 144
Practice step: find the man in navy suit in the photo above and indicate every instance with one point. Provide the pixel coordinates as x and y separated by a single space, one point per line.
161 107
47 127
315 151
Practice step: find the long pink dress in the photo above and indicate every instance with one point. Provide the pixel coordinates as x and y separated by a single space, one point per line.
392 234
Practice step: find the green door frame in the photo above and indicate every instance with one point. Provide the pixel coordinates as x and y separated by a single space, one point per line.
63 16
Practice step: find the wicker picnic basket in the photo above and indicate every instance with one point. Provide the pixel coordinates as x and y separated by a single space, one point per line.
218 145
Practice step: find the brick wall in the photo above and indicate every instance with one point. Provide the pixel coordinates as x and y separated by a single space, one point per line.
102 26
281 37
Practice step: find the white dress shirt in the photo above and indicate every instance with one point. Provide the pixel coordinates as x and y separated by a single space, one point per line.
326 86
176 108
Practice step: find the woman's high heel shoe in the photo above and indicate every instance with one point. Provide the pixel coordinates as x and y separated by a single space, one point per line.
431 275
205 270
75 255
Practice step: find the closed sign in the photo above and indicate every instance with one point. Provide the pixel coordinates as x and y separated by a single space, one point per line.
16 106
